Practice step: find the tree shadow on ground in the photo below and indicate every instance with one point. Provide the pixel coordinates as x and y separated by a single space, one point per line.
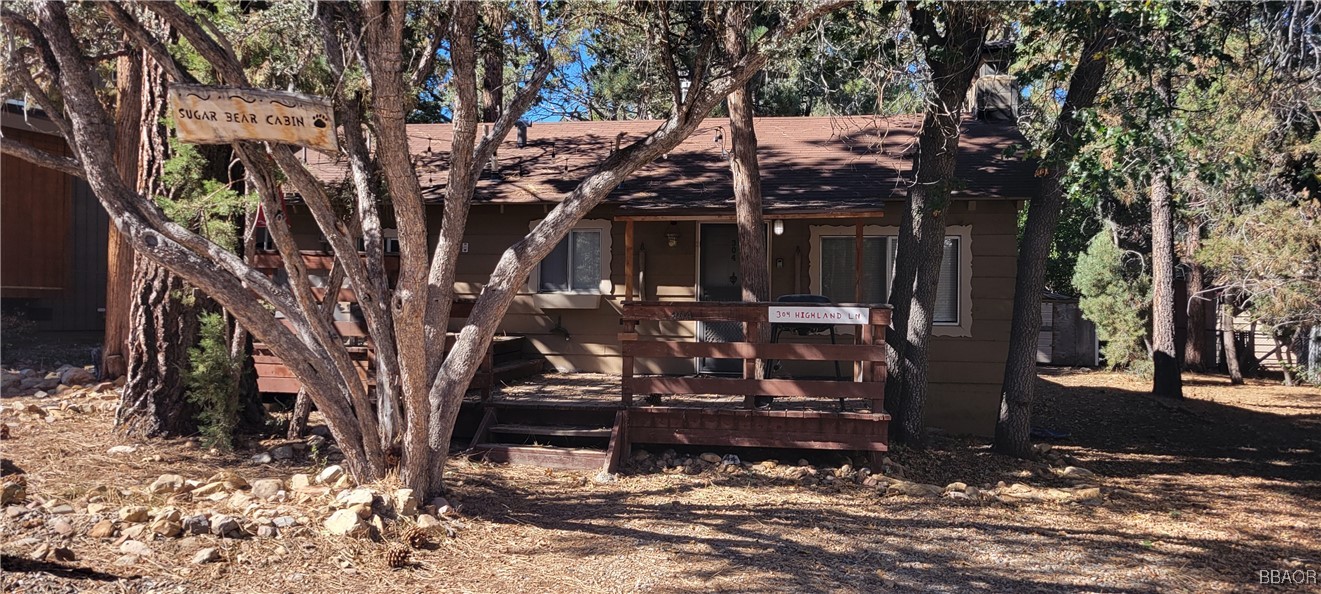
853 539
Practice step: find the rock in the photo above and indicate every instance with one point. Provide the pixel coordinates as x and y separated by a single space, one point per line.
209 489
604 477
345 522
102 529
97 507
207 555
262 458
63 554
225 526
133 513
364 510
60 509
844 470
198 524
956 486
912 489
284 521
377 524
76 376
1087 495
1074 473
731 459
122 449
299 481
135 531
957 495
40 553
405 502
1041 449
136 548
40 394
329 475
167 483
229 479
266 488
62 527
169 514
167 528
127 560
427 522
359 497
267 531
283 452
710 458
103 387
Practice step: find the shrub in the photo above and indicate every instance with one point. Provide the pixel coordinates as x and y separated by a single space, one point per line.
212 383
1116 296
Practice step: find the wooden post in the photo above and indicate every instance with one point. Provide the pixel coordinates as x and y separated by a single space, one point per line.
628 260
857 262
751 333
628 333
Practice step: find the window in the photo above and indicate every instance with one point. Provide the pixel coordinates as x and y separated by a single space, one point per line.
838 255
264 241
833 270
574 266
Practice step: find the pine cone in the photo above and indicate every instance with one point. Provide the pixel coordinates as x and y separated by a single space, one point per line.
397 556
415 537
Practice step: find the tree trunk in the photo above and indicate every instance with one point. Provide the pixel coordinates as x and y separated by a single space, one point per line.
1230 344
298 420
747 186
1166 380
1194 344
1014 427
164 326
119 255
953 59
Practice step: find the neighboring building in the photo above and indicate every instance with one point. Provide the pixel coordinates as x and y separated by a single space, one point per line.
825 181
53 255
1066 337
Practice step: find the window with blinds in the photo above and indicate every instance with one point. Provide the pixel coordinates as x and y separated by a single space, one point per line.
878 254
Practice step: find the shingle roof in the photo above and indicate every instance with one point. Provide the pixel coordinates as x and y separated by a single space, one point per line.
807 164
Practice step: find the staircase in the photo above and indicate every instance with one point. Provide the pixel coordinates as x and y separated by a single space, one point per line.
551 436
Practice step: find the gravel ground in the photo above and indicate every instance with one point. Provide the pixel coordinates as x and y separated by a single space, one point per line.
1199 496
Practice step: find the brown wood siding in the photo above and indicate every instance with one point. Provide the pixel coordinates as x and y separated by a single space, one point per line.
965 371
36 210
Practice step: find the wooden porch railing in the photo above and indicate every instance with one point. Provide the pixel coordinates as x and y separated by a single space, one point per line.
868 352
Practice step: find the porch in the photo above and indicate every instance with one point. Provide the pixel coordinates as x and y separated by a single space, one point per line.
592 421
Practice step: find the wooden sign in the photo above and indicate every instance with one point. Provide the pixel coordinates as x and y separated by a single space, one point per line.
799 314
220 115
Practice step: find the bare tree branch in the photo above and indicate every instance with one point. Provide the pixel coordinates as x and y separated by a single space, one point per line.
40 158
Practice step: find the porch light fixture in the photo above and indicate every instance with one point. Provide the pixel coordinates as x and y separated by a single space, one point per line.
672 236
778 226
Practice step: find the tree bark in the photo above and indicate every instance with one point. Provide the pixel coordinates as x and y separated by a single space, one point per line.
1194 344
119 255
746 172
1230 344
1166 380
953 57
164 326
1014 427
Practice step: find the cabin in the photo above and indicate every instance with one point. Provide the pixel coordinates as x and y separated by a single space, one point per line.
642 295
53 252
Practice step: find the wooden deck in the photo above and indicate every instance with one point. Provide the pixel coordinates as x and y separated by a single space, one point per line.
521 423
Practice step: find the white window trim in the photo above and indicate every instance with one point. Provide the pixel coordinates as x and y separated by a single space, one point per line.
962 328
590 299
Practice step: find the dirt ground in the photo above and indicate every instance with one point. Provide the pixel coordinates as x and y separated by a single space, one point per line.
1200 495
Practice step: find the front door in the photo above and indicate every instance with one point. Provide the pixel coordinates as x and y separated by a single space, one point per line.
718 280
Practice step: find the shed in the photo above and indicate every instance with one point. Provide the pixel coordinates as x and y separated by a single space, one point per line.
1066 337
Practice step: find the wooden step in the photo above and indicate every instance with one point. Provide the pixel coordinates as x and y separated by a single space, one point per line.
552 430
545 457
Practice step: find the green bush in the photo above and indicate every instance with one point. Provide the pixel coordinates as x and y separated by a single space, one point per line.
213 384
1116 296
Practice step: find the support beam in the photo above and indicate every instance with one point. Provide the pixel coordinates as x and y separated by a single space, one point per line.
628 260
857 262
